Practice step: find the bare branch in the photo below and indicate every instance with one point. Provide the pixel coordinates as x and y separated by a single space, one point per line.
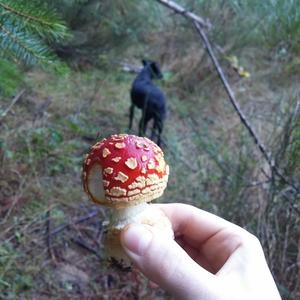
85 246
182 11
235 104
231 95
198 23
48 235
84 218
13 102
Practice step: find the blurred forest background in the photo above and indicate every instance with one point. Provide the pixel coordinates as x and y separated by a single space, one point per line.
63 85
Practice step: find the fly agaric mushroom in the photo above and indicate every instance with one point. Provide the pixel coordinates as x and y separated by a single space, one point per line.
125 172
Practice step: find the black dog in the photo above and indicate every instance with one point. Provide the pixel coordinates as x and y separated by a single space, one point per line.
148 97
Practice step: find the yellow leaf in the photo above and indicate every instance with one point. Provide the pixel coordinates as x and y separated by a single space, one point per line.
244 73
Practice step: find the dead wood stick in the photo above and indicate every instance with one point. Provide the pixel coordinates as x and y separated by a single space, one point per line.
48 233
231 96
198 23
85 246
77 221
266 154
182 11
13 102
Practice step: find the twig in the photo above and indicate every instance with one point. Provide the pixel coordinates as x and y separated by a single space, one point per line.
48 234
198 23
83 245
232 98
13 102
240 113
291 203
76 221
182 11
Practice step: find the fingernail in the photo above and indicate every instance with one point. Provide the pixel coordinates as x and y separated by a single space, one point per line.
136 238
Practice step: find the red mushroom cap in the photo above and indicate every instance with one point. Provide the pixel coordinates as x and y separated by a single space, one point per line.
124 170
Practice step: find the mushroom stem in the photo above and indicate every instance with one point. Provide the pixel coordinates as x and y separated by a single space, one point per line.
143 213
122 216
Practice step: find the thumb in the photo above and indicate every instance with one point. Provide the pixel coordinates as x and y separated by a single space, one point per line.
163 261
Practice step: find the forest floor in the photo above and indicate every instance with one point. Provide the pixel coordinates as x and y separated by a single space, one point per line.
50 239
50 232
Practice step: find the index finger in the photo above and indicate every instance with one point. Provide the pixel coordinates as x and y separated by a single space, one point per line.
210 239
197 224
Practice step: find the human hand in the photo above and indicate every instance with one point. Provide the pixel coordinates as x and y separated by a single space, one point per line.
210 259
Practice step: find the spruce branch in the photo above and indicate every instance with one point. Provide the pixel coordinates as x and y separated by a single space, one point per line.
35 17
23 46
26 30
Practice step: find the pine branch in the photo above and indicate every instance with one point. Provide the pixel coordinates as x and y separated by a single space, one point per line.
23 46
35 17
8 55
26 28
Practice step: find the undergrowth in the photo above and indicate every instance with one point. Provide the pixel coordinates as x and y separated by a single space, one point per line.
214 165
